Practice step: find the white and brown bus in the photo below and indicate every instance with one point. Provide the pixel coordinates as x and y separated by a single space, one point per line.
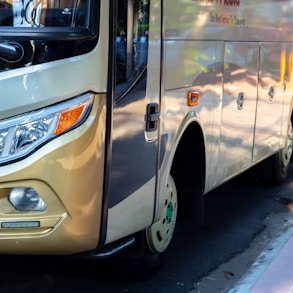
117 116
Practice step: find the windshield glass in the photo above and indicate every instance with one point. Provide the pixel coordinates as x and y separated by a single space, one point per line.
40 31
44 13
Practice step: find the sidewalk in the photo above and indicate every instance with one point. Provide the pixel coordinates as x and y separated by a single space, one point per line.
272 272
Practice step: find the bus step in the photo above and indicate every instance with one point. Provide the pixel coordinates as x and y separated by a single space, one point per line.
112 248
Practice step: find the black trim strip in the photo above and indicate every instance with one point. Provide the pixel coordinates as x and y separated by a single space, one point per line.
48 34
108 136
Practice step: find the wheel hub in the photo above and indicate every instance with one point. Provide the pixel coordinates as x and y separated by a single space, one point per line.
159 235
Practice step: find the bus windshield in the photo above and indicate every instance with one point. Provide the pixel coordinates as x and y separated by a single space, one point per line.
44 13
39 31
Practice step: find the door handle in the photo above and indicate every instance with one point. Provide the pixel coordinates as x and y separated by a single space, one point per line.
271 93
152 117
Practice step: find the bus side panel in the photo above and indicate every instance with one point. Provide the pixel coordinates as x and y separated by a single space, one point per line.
229 20
239 107
251 33
270 101
194 66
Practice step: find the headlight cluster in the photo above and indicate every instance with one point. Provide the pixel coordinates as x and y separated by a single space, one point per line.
21 135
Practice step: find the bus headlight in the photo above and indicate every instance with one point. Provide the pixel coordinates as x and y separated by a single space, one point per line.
23 134
26 199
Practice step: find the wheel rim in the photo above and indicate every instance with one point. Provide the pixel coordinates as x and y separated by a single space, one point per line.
287 151
160 234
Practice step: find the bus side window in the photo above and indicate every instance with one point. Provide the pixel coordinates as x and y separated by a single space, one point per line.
131 39
6 14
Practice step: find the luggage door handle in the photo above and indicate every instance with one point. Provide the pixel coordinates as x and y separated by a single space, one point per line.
240 101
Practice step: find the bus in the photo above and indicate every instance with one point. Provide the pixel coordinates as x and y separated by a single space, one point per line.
118 117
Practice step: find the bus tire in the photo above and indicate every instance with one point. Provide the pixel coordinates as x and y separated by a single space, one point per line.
147 257
138 264
147 264
156 238
282 159
141 262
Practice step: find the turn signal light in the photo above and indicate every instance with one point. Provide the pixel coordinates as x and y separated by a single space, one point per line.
69 118
193 98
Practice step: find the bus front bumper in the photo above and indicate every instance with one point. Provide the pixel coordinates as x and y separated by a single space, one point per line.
67 174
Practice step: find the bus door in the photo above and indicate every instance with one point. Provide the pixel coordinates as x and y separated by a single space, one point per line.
238 107
135 126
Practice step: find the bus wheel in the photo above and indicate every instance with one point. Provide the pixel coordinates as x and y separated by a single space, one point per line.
157 238
148 254
282 160
159 235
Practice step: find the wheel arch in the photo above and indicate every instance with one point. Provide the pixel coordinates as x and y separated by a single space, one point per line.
189 171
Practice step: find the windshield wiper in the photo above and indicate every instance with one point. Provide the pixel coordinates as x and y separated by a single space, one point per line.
11 52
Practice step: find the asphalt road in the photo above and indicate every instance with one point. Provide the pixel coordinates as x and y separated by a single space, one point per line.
235 215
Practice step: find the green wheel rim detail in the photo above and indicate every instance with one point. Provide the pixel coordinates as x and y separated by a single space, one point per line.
169 213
